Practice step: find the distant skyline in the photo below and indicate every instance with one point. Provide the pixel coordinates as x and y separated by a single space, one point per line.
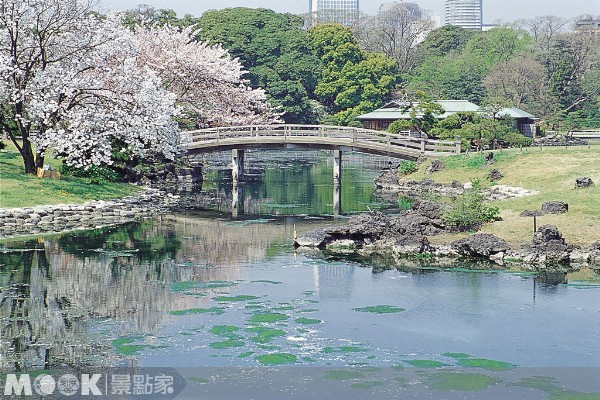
493 10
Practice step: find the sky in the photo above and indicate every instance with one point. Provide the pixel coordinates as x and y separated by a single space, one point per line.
494 11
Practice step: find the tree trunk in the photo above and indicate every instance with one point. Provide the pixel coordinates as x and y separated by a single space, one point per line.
28 159
39 160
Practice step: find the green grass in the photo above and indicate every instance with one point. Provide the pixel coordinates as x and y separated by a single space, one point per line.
20 190
551 172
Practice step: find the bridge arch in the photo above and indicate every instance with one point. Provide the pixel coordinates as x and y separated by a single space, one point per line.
317 137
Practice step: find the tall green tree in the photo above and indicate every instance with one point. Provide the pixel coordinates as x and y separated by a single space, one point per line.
273 48
353 82
455 62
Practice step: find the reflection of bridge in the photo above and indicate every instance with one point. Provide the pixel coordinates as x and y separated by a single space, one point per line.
336 138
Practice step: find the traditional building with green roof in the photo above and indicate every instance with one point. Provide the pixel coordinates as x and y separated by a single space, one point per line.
381 118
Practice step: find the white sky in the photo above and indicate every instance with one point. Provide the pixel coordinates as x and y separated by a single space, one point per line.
493 10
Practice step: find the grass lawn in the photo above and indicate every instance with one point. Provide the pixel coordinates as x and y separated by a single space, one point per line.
552 172
20 190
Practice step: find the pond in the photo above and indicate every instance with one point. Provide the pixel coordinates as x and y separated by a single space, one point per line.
216 297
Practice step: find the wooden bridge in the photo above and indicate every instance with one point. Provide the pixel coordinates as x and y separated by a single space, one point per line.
318 137
336 138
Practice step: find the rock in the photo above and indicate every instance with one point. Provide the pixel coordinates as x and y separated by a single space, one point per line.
388 178
529 213
316 238
468 186
456 185
555 207
583 182
547 233
435 166
430 209
560 140
548 247
422 158
495 175
364 228
406 245
480 245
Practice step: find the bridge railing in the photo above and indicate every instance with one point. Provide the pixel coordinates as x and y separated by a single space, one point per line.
315 132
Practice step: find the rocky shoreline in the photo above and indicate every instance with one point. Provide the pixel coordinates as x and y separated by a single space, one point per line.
405 236
16 222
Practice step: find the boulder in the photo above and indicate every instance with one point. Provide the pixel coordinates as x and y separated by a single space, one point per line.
435 166
416 244
316 238
365 228
583 182
495 175
548 247
456 184
480 245
430 209
388 178
555 207
422 158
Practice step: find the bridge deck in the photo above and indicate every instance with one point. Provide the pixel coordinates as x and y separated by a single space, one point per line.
317 136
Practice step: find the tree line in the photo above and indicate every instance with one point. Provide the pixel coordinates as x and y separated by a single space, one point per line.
94 89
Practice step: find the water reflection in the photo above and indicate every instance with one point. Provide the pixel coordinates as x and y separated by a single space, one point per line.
65 299
296 183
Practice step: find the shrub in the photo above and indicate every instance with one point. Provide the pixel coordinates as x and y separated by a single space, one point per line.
95 174
469 210
407 167
400 125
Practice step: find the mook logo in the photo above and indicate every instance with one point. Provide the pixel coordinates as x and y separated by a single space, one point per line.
47 385
147 383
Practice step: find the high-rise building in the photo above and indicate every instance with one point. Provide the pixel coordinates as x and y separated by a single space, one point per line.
343 12
412 8
464 13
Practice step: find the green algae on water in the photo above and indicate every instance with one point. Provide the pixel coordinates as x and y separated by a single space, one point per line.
381 309
224 330
227 344
267 281
344 349
246 354
186 286
366 385
457 355
212 310
343 375
308 321
268 317
242 297
197 379
308 310
124 345
425 363
267 335
276 359
491 365
451 381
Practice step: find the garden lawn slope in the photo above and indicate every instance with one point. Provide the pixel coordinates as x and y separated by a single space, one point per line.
552 172
20 190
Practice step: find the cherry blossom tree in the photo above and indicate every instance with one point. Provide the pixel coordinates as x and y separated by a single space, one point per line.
70 82
82 85
209 84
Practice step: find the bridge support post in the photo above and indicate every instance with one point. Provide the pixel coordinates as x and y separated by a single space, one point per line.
237 205
237 165
337 182
337 200
337 167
